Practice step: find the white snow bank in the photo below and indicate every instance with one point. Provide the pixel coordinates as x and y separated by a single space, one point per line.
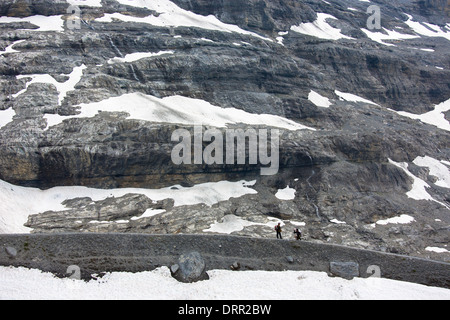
27 284
61 87
435 117
319 100
137 56
44 23
176 109
17 203
287 193
437 169
320 28
172 15
6 116
352 97
418 191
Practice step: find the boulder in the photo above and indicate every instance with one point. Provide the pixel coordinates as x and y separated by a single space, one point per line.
346 270
11 252
191 267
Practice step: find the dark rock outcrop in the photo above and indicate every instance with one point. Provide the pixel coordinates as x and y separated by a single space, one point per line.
346 270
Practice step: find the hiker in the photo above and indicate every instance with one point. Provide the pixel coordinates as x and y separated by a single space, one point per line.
278 230
298 234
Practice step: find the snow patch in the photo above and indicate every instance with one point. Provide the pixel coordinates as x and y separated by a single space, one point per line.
297 223
137 56
352 97
44 23
231 223
436 249
403 219
6 116
437 169
176 109
319 100
418 191
320 28
62 88
391 35
280 39
336 221
10 49
169 14
435 117
287 193
421 29
427 29
149 213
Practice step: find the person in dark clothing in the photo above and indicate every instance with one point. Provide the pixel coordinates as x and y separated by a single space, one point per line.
278 230
298 234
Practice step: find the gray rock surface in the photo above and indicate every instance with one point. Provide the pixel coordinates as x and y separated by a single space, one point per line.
191 267
339 172
11 252
346 270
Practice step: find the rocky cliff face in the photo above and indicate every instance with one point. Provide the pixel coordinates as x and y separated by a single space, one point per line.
93 100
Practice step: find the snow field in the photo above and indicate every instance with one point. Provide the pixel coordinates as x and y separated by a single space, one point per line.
22 283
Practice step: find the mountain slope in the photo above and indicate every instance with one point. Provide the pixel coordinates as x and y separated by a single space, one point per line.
93 100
